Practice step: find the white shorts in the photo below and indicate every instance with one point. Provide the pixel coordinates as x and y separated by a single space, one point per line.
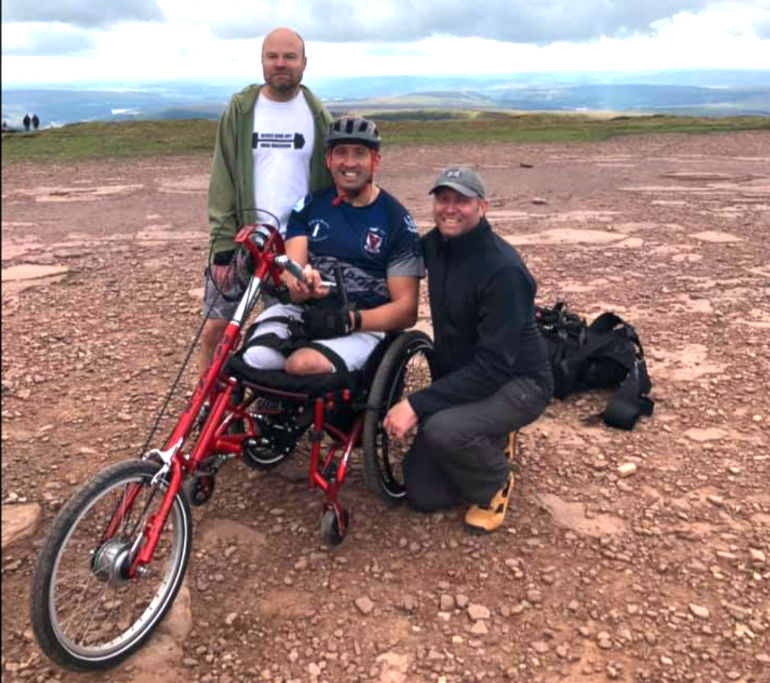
353 348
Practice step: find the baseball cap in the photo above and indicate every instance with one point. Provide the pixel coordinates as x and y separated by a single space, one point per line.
461 179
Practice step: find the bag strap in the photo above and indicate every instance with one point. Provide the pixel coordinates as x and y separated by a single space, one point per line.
569 368
269 340
630 400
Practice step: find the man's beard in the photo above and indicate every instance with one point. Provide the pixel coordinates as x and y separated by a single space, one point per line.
283 86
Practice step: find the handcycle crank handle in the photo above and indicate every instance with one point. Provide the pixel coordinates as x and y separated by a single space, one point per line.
296 270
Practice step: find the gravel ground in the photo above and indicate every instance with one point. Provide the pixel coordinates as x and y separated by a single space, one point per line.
660 575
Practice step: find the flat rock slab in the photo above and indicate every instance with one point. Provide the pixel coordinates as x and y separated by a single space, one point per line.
566 236
78 194
572 516
222 531
394 667
157 661
19 521
178 622
690 362
196 183
704 435
29 271
698 176
716 237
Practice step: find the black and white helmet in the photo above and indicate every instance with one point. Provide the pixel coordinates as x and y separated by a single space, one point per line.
352 129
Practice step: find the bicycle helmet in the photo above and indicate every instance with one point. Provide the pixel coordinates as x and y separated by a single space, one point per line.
353 129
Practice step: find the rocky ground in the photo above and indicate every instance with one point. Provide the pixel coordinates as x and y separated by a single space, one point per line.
604 571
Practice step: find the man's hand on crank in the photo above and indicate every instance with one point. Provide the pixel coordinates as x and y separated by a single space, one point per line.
311 288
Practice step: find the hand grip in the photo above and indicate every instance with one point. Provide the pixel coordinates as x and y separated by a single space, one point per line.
292 266
296 270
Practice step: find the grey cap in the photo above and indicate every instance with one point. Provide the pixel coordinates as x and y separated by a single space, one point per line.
461 179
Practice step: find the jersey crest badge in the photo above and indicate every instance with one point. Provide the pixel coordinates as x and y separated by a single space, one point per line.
373 240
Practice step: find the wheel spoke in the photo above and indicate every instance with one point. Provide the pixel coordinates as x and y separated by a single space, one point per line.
86 613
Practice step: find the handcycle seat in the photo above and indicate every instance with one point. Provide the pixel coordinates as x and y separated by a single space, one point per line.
301 387
304 387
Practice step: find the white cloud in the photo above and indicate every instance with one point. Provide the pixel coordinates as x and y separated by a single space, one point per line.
82 13
45 39
391 37
521 21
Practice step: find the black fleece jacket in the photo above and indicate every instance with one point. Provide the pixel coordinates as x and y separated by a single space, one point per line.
482 304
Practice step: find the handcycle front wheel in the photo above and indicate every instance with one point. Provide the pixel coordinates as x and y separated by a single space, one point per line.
406 367
86 613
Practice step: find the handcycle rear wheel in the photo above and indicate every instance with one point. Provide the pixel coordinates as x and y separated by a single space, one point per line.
406 367
86 613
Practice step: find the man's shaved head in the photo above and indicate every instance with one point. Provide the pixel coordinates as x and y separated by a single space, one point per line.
283 34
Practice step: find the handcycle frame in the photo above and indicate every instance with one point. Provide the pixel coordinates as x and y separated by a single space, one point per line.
265 246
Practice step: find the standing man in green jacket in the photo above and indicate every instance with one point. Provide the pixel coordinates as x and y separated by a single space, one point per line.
269 153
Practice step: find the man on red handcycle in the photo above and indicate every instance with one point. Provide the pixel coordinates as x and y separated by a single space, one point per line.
364 233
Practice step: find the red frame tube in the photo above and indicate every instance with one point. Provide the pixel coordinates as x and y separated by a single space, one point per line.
218 390
207 387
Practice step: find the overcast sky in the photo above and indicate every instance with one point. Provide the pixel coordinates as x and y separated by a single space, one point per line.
124 41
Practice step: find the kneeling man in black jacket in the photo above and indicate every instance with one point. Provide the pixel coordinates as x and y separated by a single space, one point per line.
492 370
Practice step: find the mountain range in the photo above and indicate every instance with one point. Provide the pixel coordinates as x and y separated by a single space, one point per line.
693 92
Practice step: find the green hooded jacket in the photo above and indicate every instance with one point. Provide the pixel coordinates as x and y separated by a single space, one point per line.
231 186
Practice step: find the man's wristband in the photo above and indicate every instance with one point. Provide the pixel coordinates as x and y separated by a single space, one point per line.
356 320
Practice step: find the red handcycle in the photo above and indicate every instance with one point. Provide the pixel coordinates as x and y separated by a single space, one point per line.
116 556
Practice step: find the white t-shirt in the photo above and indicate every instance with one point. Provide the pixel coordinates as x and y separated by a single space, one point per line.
282 145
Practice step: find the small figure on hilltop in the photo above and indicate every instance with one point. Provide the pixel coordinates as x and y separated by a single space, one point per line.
5 126
26 121
35 121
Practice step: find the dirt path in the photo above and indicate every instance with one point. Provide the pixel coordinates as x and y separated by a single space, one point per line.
660 576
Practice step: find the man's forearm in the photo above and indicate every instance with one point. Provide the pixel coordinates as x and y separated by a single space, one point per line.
393 315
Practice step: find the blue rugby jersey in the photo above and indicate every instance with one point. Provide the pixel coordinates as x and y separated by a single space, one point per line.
370 243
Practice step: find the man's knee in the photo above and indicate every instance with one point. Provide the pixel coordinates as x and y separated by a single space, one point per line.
212 330
308 362
441 432
264 358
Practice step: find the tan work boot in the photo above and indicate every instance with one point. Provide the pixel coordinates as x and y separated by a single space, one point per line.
486 519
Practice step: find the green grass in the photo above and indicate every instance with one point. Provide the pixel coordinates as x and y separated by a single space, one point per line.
494 127
420 127
94 140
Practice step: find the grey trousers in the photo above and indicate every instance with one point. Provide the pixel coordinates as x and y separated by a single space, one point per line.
458 452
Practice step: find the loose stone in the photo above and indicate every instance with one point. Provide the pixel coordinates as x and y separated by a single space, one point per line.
627 469
699 611
477 612
479 628
365 605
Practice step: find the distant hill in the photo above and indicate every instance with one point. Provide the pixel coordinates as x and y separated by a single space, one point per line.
694 92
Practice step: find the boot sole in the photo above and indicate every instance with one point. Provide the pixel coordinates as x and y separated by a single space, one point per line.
478 531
